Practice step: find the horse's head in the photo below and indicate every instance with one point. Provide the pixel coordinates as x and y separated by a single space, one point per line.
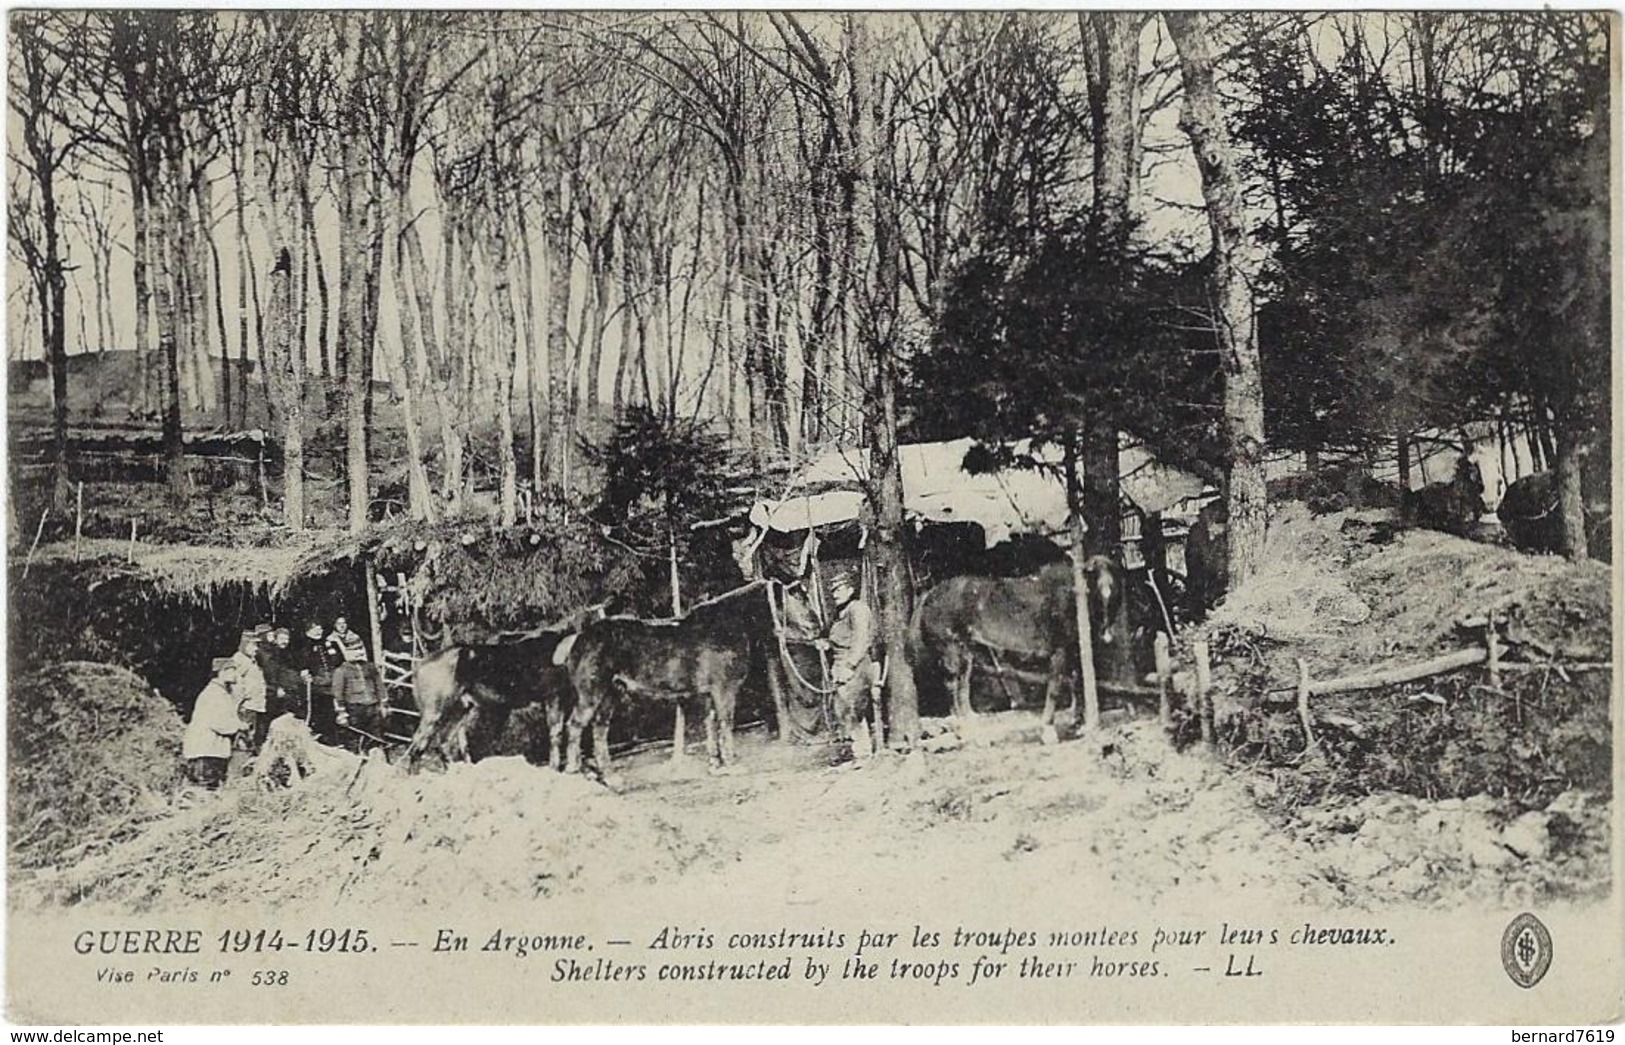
1107 586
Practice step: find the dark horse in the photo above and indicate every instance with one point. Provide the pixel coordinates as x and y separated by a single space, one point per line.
1532 517
1453 507
487 681
1027 618
705 655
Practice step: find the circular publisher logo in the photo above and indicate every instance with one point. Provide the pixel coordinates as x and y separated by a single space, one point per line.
1526 950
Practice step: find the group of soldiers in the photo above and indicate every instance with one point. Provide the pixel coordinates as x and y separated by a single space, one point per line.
325 680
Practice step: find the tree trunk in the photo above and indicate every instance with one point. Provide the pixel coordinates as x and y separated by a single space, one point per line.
623 357
353 348
602 278
558 333
1112 69
1234 275
141 273
324 310
1078 553
534 348
1571 453
880 334
419 496
505 358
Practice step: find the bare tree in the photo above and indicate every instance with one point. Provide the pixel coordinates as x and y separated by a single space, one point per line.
38 86
1234 275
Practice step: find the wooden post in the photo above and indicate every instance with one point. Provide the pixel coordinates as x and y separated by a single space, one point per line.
1204 679
129 555
373 620
1086 643
259 467
679 730
1310 745
38 530
1164 675
1492 645
78 516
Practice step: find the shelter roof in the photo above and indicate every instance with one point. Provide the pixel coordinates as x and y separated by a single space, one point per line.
937 487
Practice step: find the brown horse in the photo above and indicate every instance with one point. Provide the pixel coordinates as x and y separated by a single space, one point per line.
704 656
1025 618
1453 507
488 680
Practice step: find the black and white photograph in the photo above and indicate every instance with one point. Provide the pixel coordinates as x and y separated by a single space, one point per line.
815 517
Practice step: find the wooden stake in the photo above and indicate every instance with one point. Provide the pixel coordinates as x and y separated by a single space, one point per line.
1164 675
1492 648
1204 679
129 555
29 560
1310 744
679 729
78 516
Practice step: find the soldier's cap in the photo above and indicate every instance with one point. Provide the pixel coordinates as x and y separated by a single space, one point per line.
249 636
262 629
221 666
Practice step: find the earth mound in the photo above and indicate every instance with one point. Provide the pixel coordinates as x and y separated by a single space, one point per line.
1349 593
319 826
94 753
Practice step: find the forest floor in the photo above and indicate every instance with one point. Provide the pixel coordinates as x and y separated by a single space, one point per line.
984 806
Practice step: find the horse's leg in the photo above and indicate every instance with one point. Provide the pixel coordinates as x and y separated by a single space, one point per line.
555 733
426 734
600 751
713 728
959 663
726 711
1046 721
580 718
679 735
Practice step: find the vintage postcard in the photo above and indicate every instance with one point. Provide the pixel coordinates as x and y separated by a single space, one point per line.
541 517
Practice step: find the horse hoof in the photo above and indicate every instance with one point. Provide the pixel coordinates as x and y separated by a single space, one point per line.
1047 736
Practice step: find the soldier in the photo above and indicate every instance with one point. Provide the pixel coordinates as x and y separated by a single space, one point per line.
250 688
358 698
206 745
852 667
316 665
343 642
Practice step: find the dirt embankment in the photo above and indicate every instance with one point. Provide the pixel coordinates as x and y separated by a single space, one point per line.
1463 766
93 754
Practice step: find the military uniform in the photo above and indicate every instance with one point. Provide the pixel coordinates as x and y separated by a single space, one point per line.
852 668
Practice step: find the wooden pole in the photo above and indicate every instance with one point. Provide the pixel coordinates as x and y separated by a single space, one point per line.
1310 745
1086 644
679 730
1204 679
129 555
1492 652
78 516
1394 676
1164 676
38 530
373 618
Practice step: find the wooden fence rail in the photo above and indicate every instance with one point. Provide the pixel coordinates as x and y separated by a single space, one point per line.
1307 687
